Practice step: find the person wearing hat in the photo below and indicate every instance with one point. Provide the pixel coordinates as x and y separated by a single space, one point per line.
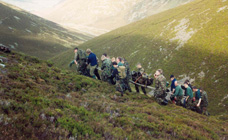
173 84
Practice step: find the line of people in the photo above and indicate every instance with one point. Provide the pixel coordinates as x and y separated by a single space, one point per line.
116 71
182 95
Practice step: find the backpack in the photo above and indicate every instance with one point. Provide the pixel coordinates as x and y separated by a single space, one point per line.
122 72
81 54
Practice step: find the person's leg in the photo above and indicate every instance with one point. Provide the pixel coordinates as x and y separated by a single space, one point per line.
128 84
178 102
137 88
97 74
189 104
92 69
158 97
144 90
119 87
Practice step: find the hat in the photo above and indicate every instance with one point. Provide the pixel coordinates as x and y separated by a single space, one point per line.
114 63
171 76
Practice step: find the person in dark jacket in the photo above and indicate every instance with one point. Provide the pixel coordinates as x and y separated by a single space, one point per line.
92 61
119 82
173 84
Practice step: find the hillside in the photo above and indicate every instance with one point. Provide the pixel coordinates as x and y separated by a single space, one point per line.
20 30
187 41
100 16
39 101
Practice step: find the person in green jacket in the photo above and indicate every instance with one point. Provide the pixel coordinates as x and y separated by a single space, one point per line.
160 87
204 102
106 69
140 72
80 59
118 61
189 94
128 73
198 100
177 95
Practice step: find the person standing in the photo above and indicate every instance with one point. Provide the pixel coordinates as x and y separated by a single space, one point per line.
120 86
173 84
80 61
189 94
140 73
160 87
106 69
204 102
177 95
128 73
92 62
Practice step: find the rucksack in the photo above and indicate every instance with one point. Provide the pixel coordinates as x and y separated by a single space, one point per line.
122 72
81 54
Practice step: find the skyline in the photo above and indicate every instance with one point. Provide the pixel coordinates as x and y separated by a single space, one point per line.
33 5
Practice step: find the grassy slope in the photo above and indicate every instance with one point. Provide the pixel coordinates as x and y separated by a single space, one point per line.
22 30
39 101
203 57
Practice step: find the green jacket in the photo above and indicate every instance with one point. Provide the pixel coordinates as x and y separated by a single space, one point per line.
128 71
160 83
80 55
107 67
189 92
178 91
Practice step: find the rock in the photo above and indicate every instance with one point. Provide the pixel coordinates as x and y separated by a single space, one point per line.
43 117
84 90
2 65
68 95
52 119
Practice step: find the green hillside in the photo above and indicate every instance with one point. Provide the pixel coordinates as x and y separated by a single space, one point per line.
39 101
187 41
20 30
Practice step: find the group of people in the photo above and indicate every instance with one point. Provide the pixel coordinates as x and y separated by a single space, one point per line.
183 95
116 71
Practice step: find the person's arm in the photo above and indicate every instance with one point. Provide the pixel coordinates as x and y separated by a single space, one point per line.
186 98
187 93
199 102
89 59
175 83
75 62
103 66
75 58
176 92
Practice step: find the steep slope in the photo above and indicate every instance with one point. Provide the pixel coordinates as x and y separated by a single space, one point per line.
188 41
100 16
20 30
39 101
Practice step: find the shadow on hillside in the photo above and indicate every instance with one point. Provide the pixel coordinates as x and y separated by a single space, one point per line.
197 62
